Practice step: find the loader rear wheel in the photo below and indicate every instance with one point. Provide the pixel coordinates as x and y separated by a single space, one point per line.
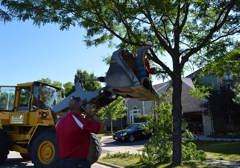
43 150
4 145
25 156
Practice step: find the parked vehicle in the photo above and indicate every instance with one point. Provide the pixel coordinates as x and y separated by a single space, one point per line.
133 132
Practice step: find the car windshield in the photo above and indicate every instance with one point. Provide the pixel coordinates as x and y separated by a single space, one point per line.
135 126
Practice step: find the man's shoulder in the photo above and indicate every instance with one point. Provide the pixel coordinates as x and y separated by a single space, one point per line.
63 118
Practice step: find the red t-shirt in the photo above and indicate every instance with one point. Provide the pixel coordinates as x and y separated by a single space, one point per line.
73 135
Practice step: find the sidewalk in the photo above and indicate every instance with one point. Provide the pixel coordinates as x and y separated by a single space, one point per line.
205 138
221 163
112 148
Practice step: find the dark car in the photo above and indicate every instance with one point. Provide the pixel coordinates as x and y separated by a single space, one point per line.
131 133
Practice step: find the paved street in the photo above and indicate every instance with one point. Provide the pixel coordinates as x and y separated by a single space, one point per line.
15 161
108 145
111 146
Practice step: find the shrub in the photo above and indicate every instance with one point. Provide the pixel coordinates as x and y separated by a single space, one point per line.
141 118
159 147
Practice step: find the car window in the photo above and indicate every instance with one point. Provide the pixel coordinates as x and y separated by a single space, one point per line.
136 126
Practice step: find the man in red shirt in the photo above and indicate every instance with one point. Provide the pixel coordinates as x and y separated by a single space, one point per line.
73 135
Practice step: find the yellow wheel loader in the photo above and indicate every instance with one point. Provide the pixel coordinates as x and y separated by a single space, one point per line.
27 123
29 111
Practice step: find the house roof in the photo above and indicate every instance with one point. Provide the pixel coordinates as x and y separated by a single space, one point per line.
189 102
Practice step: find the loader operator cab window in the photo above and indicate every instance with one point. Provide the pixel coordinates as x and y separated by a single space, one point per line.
24 99
45 96
7 96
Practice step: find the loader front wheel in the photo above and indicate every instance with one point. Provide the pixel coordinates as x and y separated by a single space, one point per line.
4 145
43 150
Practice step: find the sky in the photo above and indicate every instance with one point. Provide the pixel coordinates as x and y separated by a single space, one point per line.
29 52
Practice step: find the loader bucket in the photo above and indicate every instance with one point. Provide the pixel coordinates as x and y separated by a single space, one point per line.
121 76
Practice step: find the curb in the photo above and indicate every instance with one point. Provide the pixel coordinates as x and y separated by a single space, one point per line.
109 164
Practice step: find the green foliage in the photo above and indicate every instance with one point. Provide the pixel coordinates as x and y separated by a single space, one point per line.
181 30
236 90
50 82
113 111
200 92
159 147
88 80
4 15
68 88
121 159
190 152
187 27
227 63
141 118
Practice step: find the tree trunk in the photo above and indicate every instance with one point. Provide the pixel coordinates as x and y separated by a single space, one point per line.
177 116
111 122
121 123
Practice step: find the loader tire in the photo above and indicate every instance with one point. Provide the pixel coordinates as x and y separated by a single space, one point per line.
94 149
43 150
25 156
4 146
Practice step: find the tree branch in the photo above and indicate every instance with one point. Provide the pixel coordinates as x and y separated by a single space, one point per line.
207 38
158 34
166 35
186 11
105 25
176 30
154 58
141 20
127 26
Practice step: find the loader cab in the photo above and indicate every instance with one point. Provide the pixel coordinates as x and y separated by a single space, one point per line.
45 96
7 97
27 97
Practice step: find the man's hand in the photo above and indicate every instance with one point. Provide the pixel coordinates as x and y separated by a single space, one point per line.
90 114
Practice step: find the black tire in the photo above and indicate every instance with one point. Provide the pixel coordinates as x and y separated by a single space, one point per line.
43 150
94 149
25 156
131 138
4 146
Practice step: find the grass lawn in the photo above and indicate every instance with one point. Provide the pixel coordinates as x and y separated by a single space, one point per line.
121 159
221 150
229 151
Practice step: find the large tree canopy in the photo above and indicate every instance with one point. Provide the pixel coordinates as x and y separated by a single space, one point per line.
184 30
227 67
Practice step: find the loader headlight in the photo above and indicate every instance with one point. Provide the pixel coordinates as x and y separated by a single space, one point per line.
44 114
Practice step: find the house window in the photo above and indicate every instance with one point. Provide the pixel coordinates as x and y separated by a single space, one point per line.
134 112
